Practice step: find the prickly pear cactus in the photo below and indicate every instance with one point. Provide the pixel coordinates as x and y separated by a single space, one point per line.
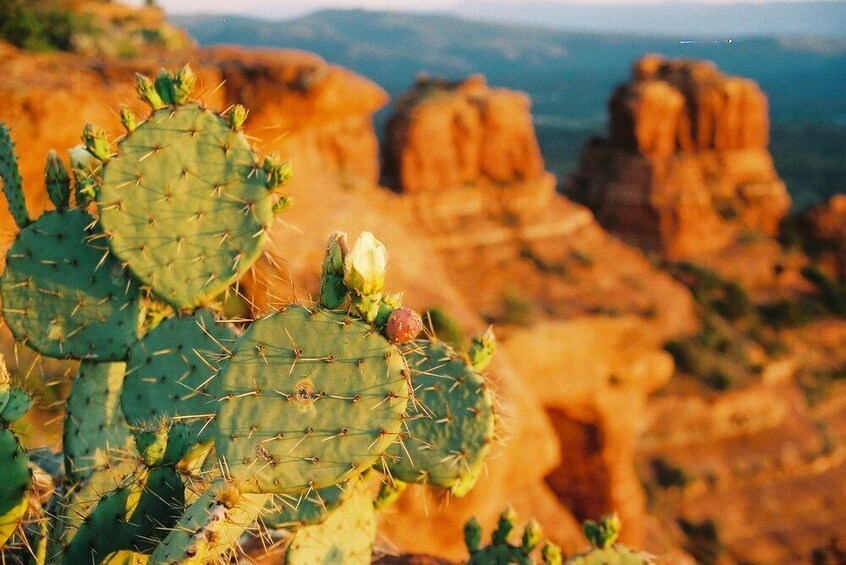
16 475
96 431
210 526
11 178
309 399
184 201
172 372
602 536
450 427
307 508
501 551
65 295
344 538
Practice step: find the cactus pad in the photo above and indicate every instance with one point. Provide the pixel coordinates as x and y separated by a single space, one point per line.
448 436
15 484
345 538
172 372
95 427
65 297
185 203
308 399
11 178
17 403
134 516
210 526
306 508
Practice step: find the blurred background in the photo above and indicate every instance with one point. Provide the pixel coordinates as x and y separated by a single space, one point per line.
644 198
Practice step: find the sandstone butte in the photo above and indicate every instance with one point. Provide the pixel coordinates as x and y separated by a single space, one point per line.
684 170
488 239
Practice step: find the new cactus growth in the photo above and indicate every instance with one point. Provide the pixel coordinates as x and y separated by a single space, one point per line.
501 550
602 535
449 430
333 290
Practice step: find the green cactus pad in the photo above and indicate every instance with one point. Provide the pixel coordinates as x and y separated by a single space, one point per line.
133 517
96 430
449 430
345 538
185 204
63 296
614 555
210 526
18 402
76 502
306 508
15 484
172 372
11 178
308 399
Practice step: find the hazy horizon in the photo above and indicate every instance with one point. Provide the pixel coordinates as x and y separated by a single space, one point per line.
273 9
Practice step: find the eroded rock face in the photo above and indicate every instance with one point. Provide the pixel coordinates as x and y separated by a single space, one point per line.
445 135
580 315
685 168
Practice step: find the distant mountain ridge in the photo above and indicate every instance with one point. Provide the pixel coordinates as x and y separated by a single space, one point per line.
691 19
570 76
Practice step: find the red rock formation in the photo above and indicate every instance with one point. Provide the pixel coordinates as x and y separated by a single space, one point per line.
444 135
685 168
580 339
825 226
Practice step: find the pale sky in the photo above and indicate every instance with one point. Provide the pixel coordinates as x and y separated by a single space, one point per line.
295 7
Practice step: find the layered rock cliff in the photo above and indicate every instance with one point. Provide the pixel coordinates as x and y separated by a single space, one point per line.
684 169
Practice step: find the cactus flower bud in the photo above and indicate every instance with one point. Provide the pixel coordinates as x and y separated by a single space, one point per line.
128 119
365 265
336 252
147 91
57 180
482 349
604 533
531 536
282 203
404 324
96 142
182 83
506 524
164 86
473 535
278 174
333 291
237 116
551 554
